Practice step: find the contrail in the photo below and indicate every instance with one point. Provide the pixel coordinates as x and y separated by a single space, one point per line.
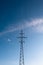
37 24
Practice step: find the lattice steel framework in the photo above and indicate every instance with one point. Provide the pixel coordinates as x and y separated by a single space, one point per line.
21 60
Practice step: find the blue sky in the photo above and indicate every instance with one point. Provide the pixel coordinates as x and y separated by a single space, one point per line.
14 16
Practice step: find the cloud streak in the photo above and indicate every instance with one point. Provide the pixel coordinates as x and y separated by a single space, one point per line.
36 24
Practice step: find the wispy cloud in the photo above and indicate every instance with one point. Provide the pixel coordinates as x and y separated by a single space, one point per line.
9 40
36 24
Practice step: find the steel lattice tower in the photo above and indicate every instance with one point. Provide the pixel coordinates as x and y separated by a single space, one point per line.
21 60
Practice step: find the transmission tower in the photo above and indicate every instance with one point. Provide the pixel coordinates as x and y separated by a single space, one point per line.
21 60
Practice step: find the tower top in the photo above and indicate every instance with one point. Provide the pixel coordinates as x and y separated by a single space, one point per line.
22 35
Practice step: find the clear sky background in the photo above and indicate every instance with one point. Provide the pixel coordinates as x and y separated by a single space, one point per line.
14 16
